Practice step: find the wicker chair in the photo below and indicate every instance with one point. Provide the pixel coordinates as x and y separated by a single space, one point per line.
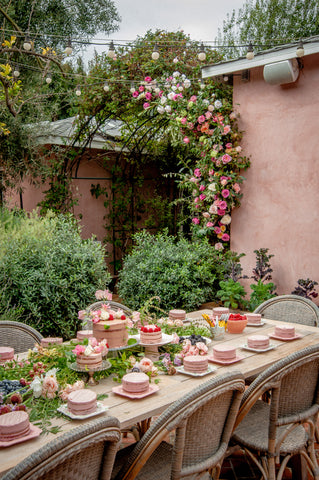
115 305
273 433
202 420
85 453
18 335
290 308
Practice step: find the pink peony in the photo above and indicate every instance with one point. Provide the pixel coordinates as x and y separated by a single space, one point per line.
146 365
49 387
79 349
225 237
202 347
202 188
225 193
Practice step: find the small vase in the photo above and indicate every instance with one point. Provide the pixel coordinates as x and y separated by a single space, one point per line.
217 332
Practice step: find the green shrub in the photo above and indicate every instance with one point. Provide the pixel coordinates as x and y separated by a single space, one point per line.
48 271
260 293
183 274
232 294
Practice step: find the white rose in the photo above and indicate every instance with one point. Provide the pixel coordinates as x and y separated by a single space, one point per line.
171 95
218 104
88 350
160 109
36 386
226 220
168 109
176 74
213 209
212 187
104 315
211 108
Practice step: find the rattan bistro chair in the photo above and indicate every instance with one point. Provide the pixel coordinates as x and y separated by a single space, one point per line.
114 305
84 453
290 308
273 433
202 421
18 335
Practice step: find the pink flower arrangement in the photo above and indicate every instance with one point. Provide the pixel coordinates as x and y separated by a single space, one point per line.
65 392
103 295
93 347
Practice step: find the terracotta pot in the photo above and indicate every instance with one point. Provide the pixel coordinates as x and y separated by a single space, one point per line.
236 326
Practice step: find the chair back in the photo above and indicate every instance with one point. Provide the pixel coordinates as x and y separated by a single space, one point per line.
86 452
18 335
113 305
203 422
290 308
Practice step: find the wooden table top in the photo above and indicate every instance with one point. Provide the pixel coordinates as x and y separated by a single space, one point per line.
172 387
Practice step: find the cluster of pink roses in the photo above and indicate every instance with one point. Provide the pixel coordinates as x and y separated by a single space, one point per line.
46 387
207 125
93 347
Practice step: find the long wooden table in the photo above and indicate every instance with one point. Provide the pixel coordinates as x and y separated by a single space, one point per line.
172 387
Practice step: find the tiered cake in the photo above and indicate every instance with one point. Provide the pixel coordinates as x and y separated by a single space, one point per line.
110 325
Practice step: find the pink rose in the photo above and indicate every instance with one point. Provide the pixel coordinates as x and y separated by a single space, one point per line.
193 350
201 119
145 365
225 237
136 317
236 188
226 158
193 98
202 196
197 172
211 172
79 349
141 88
228 145
217 230
209 224
175 339
184 120
202 188
135 94
190 125
195 220
225 193
219 246
221 212
186 140
202 347
226 129
148 96
222 205
206 215
81 314
208 115
146 105
148 79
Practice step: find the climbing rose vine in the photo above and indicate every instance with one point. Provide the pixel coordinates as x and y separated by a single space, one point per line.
203 123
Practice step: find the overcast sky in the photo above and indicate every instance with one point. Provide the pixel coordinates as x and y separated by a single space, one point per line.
198 18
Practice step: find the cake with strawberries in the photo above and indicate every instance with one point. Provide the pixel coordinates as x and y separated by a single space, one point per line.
91 361
258 342
110 325
254 318
151 334
195 363
14 425
135 383
46 342
224 353
82 402
285 331
6 354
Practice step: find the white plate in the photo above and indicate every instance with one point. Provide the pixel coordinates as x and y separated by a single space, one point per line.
100 408
258 350
256 324
165 339
210 369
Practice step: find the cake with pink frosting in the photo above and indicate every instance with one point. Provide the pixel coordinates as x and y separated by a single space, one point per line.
177 314
82 402
14 425
6 354
82 334
254 318
151 334
285 331
135 383
224 353
195 363
94 360
258 342
45 342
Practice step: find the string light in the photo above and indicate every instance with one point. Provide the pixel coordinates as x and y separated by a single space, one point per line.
132 89
202 55
106 87
27 43
250 52
78 90
16 71
300 50
155 53
48 78
68 49
111 51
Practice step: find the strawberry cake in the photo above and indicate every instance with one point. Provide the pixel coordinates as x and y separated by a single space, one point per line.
135 383
45 342
224 353
6 354
14 425
177 315
195 363
92 361
258 342
253 318
285 331
150 334
82 402
82 334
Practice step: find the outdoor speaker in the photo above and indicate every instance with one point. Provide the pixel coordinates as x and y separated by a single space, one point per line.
279 73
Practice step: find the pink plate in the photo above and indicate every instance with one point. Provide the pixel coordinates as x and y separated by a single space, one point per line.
34 432
286 339
211 358
119 391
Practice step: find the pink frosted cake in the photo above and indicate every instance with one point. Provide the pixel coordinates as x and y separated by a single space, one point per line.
94 360
135 383
254 318
6 354
177 315
45 342
151 334
259 342
285 331
195 363
218 311
224 353
82 334
82 402
14 425
114 331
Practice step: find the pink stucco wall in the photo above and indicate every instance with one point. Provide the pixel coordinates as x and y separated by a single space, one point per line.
279 208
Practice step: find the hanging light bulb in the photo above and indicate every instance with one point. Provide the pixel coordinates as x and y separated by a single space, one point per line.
48 78
78 90
202 55
111 51
132 89
16 71
300 50
155 53
250 52
106 87
68 49
27 43
225 78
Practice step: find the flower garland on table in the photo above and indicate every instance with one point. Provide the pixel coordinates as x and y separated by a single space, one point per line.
205 125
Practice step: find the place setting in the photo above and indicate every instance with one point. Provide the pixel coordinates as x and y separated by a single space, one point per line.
285 333
135 385
196 366
82 404
258 344
225 355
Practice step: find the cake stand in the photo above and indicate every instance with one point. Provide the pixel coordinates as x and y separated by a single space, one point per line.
90 371
151 349
113 351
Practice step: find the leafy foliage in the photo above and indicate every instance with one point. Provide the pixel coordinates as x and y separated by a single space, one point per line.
183 274
47 270
306 288
263 270
260 293
232 294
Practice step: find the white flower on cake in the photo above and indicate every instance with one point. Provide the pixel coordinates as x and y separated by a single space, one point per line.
104 315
